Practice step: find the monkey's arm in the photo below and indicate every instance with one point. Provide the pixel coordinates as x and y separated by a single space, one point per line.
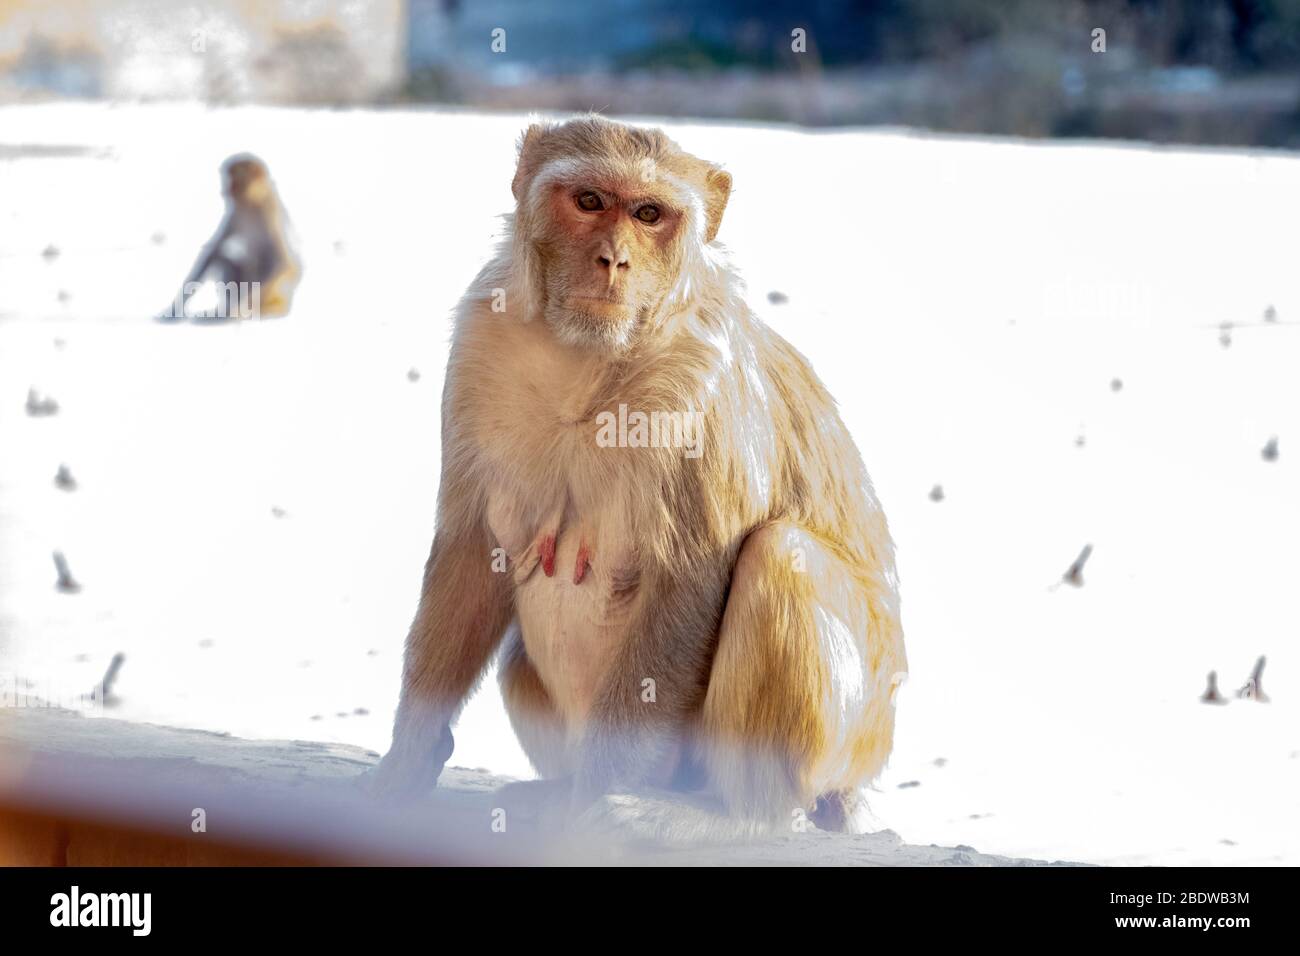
210 251
204 260
463 613
178 307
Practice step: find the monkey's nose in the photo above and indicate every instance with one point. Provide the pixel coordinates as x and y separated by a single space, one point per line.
614 260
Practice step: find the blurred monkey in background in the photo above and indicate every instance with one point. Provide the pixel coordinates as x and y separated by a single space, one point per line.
251 260
717 616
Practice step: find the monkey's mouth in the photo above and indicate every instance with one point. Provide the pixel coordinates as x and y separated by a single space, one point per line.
595 305
592 320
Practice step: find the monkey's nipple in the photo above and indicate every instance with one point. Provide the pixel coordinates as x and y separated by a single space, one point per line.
583 564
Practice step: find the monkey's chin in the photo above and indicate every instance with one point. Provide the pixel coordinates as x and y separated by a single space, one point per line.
593 324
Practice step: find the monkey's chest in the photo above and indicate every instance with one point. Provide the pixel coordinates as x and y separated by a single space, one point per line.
575 591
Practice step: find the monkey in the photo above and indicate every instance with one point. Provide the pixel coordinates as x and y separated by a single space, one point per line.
251 258
723 624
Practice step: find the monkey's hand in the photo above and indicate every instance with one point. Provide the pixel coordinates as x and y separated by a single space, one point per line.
552 806
406 772
544 804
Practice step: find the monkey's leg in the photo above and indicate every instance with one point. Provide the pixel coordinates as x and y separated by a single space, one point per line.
799 709
464 610
538 725
204 262
643 712
276 294
274 299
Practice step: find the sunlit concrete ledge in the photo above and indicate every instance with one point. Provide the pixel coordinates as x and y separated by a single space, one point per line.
89 791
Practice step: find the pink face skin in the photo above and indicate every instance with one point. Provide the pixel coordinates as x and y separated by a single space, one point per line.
613 254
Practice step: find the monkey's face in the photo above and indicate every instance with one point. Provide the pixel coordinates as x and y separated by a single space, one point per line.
611 254
246 180
611 221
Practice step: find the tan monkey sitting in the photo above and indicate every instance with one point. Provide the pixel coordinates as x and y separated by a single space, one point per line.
251 259
699 586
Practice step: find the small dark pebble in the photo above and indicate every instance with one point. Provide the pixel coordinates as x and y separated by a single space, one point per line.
63 479
1073 575
66 583
39 405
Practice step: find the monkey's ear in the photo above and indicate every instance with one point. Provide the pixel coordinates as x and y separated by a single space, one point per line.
717 190
529 159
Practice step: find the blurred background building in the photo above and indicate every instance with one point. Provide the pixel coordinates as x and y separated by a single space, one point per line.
219 51
1212 71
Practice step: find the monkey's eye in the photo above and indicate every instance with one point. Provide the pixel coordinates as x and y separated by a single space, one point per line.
590 202
648 213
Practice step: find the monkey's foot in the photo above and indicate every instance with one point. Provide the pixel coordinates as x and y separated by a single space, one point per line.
390 785
845 812
274 305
